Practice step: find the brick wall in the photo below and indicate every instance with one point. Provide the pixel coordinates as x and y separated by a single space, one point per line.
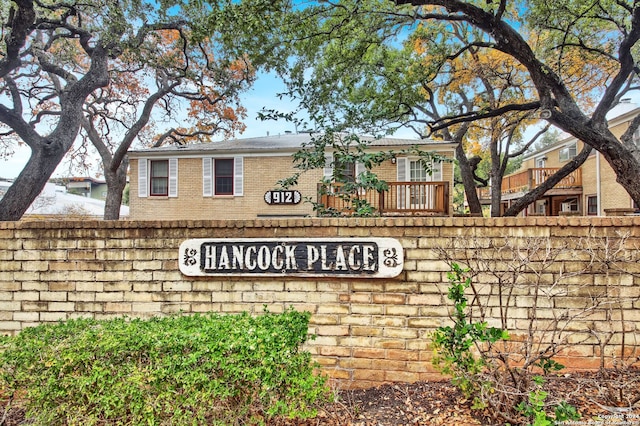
261 174
368 330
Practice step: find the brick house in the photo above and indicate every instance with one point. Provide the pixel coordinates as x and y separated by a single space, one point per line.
591 190
236 179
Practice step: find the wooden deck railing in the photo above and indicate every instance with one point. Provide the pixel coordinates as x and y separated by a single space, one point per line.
400 198
531 178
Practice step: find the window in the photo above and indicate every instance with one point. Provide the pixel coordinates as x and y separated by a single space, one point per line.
417 196
345 171
570 205
223 176
568 152
341 171
157 177
592 205
541 161
160 177
417 172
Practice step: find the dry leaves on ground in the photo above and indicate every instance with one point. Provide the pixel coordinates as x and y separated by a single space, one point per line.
598 400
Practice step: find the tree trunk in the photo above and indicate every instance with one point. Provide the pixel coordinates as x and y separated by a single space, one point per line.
116 181
624 164
496 198
496 185
32 180
468 181
47 152
521 203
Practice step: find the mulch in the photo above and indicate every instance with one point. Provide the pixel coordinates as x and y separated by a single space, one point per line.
599 400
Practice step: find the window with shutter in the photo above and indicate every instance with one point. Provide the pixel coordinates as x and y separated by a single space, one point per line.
223 170
159 177
238 181
173 177
327 171
401 169
207 177
143 183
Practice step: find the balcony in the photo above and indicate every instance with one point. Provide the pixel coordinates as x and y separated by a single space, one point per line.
515 185
401 198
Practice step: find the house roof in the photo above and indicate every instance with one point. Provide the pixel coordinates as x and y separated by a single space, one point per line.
621 113
84 179
278 143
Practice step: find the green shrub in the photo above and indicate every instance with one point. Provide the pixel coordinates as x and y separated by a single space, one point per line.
468 352
453 346
192 369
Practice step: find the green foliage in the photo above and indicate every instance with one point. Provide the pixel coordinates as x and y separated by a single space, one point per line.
339 151
548 365
453 345
125 195
534 408
179 370
458 352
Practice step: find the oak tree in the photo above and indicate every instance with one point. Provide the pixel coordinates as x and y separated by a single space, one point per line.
354 65
57 60
576 28
167 79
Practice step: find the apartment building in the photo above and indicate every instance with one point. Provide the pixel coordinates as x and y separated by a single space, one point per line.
591 190
237 179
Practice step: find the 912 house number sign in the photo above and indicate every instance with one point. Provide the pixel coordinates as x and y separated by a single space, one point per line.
299 257
282 197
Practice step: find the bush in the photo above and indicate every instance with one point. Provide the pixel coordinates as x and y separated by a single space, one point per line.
468 352
522 284
196 369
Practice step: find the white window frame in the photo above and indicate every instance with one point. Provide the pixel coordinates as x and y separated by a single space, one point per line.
209 173
159 178
403 170
410 198
567 152
329 167
570 205
144 177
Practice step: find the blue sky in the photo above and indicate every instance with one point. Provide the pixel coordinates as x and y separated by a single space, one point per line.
263 95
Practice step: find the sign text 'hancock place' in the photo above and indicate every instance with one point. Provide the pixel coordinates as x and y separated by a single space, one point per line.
357 257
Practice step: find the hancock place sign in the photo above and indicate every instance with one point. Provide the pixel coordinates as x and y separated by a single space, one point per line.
301 257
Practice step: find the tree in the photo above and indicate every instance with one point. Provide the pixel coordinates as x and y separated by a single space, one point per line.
379 65
350 75
568 30
494 80
183 72
24 65
469 79
55 57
